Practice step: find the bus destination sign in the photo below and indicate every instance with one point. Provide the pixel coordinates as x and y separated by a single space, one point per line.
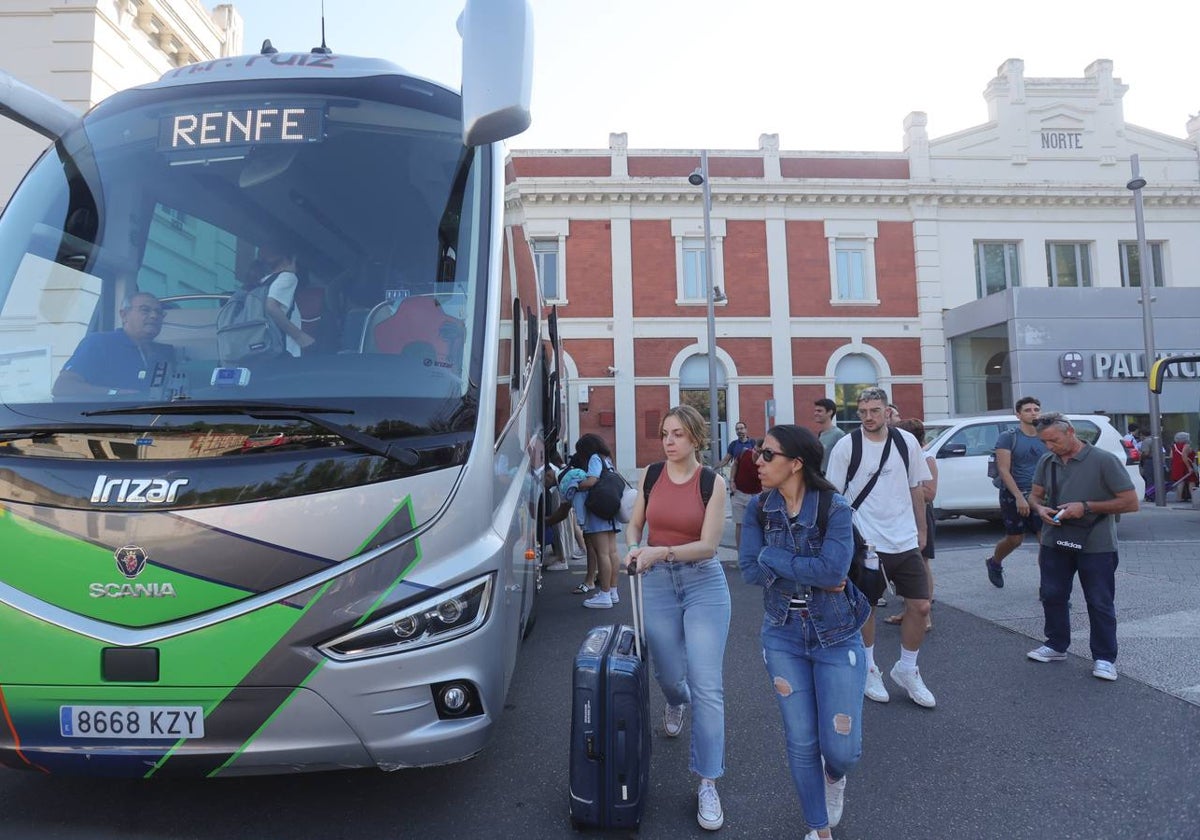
249 125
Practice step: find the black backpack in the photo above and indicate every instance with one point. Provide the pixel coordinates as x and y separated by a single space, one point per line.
708 479
870 582
604 497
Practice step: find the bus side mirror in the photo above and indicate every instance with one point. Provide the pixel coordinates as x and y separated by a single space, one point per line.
497 69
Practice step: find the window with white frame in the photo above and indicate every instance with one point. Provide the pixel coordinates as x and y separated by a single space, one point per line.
548 242
546 260
691 258
1069 264
694 275
1131 263
996 267
851 257
852 261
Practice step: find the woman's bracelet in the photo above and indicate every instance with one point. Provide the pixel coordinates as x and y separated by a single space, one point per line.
632 546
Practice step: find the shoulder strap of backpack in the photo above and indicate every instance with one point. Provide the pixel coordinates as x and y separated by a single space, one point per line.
708 478
856 448
823 503
265 285
900 445
652 473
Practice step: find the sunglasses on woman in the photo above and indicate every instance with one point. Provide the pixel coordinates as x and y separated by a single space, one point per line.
768 454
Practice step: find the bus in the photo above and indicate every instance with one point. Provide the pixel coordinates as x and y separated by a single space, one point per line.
217 560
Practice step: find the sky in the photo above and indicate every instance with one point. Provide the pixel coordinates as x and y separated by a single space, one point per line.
831 76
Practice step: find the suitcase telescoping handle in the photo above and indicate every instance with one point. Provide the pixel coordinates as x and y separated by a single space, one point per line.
635 591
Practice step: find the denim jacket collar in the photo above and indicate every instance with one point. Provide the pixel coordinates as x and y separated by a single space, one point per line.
776 504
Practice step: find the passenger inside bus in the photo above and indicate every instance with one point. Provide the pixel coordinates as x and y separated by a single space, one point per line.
122 361
279 265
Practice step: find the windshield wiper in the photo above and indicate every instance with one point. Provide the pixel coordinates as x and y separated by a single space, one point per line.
394 451
65 428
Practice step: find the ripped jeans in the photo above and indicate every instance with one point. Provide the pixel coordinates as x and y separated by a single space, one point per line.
820 694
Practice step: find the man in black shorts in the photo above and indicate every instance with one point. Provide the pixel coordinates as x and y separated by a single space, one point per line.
1017 454
883 484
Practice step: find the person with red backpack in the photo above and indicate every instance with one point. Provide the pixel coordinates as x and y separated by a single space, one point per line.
743 480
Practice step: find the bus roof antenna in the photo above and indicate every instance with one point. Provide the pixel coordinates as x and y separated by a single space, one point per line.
267 48
322 50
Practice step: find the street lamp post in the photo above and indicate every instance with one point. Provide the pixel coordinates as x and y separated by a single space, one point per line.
698 178
1146 279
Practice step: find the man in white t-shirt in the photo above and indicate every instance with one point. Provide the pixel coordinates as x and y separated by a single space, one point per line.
281 297
891 517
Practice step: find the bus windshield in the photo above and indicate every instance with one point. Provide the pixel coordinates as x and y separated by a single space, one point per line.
132 256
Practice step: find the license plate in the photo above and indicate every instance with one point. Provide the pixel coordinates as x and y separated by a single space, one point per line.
131 722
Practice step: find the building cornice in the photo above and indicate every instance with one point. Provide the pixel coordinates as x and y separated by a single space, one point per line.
577 191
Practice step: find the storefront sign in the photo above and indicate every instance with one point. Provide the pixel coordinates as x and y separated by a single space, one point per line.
1132 366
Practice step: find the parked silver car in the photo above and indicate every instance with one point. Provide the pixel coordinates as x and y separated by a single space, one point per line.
962 445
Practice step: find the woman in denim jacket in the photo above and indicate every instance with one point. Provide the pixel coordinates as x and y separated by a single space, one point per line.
810 634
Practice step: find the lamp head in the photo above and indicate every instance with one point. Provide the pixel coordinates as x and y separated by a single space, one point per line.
1136 184
696 178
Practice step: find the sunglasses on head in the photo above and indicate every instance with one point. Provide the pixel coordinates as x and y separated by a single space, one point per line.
768 454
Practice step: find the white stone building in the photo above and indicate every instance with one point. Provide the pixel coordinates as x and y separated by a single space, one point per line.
81 51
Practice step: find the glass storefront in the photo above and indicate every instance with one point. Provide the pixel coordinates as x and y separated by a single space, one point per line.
982 377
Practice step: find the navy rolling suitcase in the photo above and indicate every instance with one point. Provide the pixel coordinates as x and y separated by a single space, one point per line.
610 725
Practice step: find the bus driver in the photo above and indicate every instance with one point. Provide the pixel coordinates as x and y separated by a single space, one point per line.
121 361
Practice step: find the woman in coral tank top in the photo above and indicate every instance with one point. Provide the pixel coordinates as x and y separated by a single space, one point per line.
686 595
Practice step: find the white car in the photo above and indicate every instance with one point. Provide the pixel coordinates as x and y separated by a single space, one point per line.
962 445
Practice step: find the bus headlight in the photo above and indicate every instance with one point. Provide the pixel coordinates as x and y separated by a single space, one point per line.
445 616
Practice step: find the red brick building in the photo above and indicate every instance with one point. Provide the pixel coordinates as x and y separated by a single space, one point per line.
814 256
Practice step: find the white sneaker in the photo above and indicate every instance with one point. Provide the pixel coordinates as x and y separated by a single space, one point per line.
708 811
579 554
911 682
835 799
560 566
1045 653
615 595
673 720
600 601
1104 670
875 689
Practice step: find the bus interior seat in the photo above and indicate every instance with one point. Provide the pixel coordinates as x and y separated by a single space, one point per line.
415 319
192 331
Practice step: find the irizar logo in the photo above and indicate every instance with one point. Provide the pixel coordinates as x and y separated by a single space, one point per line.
154 491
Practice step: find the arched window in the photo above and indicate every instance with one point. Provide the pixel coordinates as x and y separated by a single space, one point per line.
693 391
854 373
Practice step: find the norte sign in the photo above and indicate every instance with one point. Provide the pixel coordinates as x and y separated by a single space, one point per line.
1133 366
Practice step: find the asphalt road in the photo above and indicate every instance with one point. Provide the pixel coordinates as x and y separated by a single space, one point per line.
1015 749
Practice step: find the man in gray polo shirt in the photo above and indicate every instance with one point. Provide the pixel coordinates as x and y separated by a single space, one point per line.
1076 491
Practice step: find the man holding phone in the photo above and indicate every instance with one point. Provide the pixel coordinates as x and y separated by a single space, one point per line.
1075 492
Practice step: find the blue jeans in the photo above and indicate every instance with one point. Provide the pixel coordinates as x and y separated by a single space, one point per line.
687 622
820 693
1097 578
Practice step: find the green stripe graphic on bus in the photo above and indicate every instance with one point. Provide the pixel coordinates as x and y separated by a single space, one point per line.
85 578
219 655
